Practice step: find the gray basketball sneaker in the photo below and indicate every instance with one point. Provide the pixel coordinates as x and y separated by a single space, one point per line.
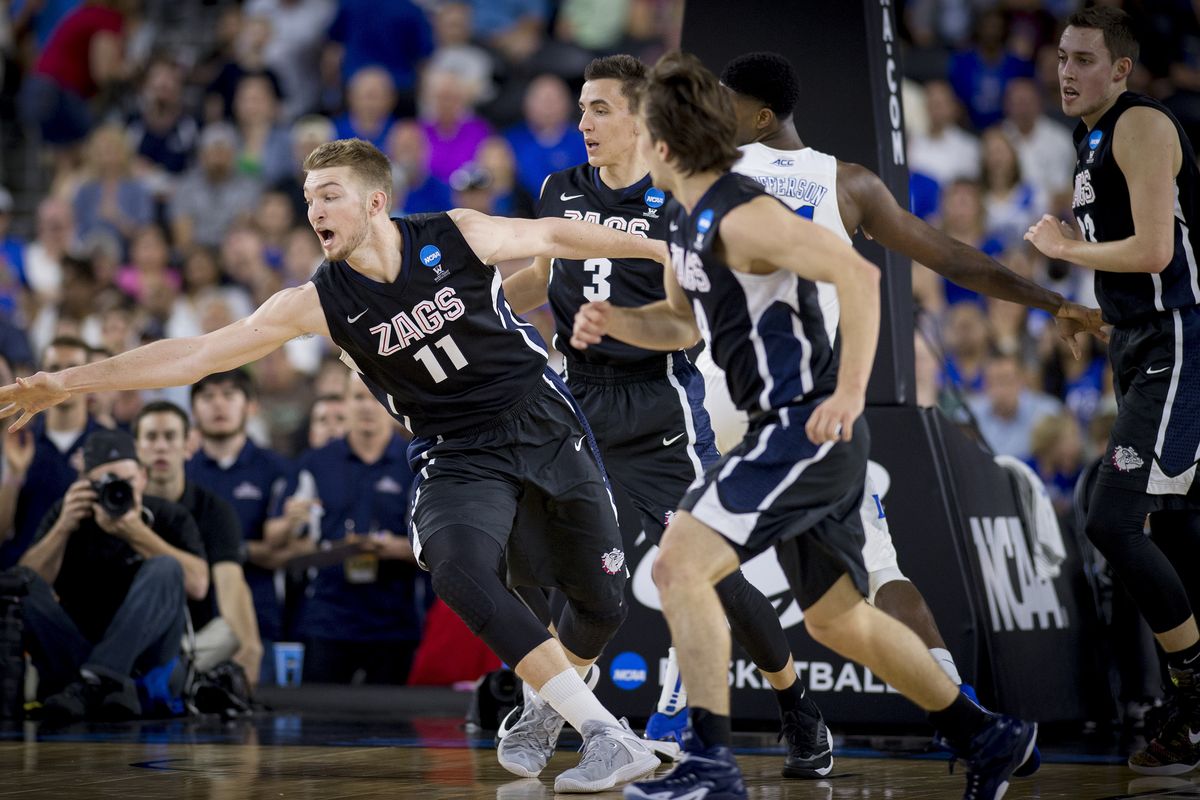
527 747
611 757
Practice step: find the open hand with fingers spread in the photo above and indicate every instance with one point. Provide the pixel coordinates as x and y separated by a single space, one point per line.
29 396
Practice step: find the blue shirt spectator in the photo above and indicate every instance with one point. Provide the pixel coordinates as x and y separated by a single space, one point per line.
980 75
394 35
545 141
493 17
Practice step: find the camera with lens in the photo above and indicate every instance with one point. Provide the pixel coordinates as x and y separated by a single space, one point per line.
114 494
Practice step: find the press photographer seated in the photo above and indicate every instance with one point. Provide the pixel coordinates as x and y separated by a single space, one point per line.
108 574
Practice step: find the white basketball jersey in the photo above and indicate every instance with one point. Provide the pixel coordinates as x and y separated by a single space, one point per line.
806 181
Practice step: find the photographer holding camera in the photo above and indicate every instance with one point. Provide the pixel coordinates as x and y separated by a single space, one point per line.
108 573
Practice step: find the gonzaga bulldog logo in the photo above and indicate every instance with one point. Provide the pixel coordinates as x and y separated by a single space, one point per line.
1126 459
613 561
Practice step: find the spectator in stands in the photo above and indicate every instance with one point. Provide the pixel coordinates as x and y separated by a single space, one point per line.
946 153
307 133
414 190
264 145
1079 383
1056 442
596 27
82 58
111 198
12 258
370 100
213 195
451 127
250 478
224 620
301 256
249 51
1008 409
39 17
546 141
967 339
44 255
362 615
275 220
326 421
964 219
980 74
1011 204
27 494
76 308
161 132
395 36
108 583
516 29
455 51
149 262
244 260
294 50
1044 147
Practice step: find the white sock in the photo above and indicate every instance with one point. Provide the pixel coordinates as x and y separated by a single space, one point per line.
946 661
568 695
674 695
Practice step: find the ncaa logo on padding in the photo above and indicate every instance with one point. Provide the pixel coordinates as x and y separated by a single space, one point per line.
1095 139
628 671
431 256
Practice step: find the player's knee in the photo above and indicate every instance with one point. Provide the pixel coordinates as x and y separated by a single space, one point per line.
877 579
1109 529
463 594
588 626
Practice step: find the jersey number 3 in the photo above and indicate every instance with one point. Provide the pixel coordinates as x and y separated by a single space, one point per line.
601 269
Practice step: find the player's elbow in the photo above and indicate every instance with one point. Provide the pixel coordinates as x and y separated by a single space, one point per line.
1156 258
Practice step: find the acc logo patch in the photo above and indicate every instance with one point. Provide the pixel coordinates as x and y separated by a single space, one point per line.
1126 459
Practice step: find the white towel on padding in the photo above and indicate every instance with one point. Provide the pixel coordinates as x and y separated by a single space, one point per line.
1049 552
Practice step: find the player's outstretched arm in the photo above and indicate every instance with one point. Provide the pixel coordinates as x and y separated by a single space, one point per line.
1146 147
884 220
173 362
525 289
763 235
665 325
496 239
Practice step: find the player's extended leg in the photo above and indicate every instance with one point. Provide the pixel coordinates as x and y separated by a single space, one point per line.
692 560
1115 524
993 746
467 567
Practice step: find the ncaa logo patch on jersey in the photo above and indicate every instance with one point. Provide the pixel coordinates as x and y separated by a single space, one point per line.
703 223
1095 139
431 257
654 199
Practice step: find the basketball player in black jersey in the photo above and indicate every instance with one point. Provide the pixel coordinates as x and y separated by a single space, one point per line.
765 90
645 408
1137 205
417 308
743 276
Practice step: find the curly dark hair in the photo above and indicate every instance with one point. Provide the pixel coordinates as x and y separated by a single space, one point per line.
767 77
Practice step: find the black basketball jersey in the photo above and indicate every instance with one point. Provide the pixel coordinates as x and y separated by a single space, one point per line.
439 347
766 331
1101 205
578 193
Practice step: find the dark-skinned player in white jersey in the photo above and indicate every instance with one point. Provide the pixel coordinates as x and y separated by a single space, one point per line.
1137 205
418 310
743 275
645 408
846 198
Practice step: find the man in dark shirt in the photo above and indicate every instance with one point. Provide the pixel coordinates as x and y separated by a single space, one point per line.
120 583
224 620
251 479
23 502
362 614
